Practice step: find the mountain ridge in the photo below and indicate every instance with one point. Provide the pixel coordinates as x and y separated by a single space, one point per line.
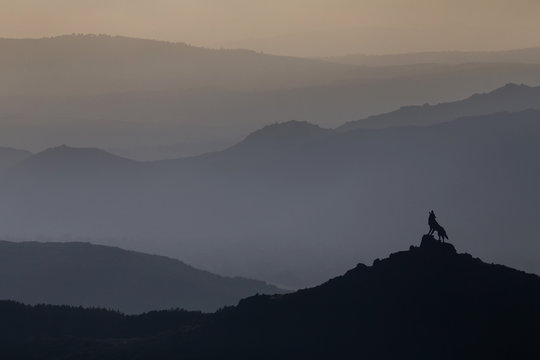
282 135
509 98
65 152
522 55
105 64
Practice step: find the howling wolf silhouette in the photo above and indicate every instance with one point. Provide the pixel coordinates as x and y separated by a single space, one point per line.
434 226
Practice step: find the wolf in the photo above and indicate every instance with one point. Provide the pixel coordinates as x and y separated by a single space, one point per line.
434 226
432 222
441 233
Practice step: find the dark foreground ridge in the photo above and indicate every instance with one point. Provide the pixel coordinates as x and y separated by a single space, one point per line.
428 302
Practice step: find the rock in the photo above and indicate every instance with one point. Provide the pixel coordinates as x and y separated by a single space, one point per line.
429 243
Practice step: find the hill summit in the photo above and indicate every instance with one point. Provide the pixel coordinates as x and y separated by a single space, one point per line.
429 302
290 132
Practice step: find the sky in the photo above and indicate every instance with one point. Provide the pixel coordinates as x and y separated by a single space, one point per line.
290 27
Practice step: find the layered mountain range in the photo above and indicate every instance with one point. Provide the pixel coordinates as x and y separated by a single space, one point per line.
278 196
151 100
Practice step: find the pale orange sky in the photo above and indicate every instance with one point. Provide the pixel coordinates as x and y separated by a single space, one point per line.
296 27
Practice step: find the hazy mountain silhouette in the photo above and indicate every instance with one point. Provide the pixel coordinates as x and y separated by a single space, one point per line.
90 64
10 157
282 133
425 303
82 274
526 56
511 97
238 211
154 100
73 158
283 137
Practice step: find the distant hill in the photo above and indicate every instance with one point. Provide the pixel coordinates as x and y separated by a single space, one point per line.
529 55
276 198
81 274
294 132
428 302
97 64
70 157
9 157
511 97
285 136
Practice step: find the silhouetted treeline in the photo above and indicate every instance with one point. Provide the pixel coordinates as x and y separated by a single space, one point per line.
24 322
